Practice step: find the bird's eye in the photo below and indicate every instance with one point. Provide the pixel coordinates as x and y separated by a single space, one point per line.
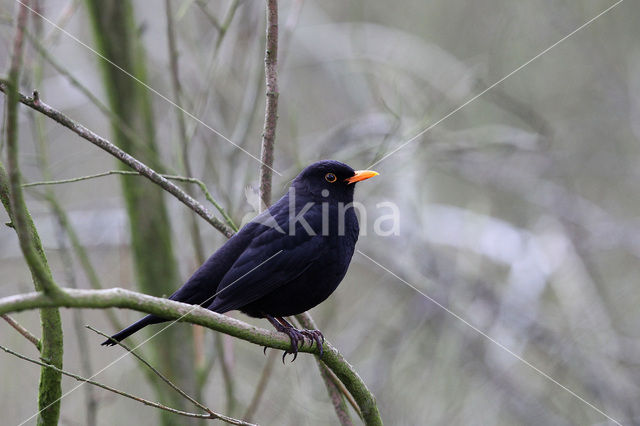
330 177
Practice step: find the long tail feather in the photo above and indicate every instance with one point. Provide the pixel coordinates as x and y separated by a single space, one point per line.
136 326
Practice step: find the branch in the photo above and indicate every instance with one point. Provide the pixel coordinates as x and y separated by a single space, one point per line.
334 386
26 333
170 309
155 371
35 103
271 107
211 414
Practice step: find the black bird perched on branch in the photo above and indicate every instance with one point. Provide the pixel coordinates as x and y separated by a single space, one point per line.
287 260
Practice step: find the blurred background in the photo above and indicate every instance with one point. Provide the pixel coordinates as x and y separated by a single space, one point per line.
519 212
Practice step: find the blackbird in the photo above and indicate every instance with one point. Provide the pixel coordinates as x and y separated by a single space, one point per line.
284 262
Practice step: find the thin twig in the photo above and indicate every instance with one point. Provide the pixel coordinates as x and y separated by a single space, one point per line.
122 126
81 254
271 107
335 396
36 103
20 329
156 372
196 181
182 126
127 395
306 321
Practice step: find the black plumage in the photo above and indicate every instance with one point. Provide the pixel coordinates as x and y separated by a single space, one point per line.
287 260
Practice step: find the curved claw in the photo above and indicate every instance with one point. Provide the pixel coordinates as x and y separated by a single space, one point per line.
317 337
295 336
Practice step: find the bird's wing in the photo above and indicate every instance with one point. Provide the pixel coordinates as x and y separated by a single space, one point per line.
270 261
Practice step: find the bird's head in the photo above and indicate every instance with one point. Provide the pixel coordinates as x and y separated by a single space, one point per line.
330 179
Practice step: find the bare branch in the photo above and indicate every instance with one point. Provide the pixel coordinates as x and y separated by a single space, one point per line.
26 333
271 107
334 386
198 182
155 371
211 415
35 103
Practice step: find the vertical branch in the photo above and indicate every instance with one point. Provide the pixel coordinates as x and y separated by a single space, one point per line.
50 388
336 397
271 107
182 126
336 392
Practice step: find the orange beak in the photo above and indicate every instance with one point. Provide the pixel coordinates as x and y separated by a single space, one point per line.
361 175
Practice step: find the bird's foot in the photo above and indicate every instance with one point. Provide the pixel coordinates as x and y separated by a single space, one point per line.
295 336
315 336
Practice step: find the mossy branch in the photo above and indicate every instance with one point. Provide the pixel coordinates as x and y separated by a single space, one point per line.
120 298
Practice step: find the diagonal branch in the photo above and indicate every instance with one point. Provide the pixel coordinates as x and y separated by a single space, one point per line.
35 103
198 182
210 415
20 329
155 371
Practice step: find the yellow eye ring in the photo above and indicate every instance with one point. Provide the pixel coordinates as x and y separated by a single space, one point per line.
330 177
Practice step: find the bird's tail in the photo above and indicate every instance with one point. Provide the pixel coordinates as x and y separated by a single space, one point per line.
136 326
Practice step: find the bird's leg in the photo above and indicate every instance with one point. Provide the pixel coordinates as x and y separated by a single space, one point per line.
285 323
294 335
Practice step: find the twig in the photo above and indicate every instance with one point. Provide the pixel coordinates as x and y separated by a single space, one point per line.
152 368
122 126
182 130
261 387
198 182
335 395
35 103
212 19
26 333
334 385
81 254
170 309
211 415
271 107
